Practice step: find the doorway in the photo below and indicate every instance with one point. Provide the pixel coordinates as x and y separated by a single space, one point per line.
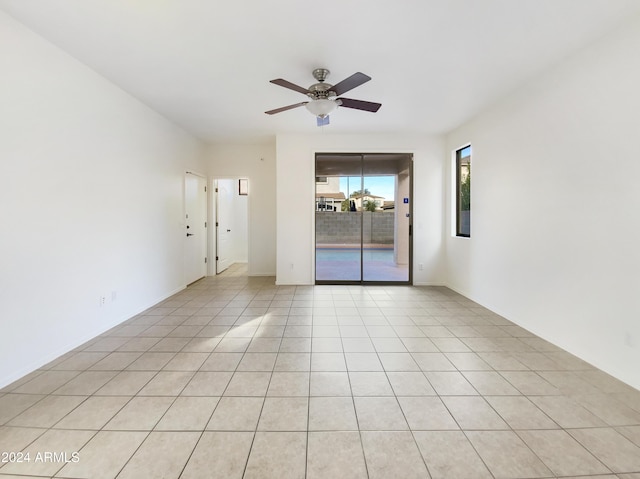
195 205
231 223
363 224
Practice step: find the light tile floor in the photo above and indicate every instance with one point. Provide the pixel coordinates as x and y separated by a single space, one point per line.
236 377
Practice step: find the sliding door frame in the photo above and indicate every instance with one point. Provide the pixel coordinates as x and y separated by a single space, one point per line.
362 281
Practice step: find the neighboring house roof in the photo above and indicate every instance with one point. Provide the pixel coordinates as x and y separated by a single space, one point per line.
367 196
335 196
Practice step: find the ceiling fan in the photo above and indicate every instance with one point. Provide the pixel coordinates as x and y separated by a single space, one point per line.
324 96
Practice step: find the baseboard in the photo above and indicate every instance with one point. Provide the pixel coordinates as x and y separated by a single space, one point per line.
80 341
581 354
278 283
459 291
162 298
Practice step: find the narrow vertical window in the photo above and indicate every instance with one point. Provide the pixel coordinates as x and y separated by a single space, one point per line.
463 192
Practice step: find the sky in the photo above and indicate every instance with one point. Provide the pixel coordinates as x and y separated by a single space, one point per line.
377 185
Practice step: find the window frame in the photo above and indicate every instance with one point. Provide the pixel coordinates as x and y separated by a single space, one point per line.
458 192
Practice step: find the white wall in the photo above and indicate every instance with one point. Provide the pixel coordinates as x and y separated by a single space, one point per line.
257 163
92 202
555 207
296 196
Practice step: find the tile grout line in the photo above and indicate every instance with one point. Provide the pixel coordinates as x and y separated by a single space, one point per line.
498 347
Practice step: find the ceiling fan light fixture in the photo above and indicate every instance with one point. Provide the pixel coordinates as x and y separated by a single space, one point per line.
321 108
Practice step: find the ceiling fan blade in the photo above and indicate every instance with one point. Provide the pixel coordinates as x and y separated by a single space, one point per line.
289 85
350 83
285 108
360 105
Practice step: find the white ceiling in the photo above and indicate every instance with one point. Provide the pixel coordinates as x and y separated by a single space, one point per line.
206 64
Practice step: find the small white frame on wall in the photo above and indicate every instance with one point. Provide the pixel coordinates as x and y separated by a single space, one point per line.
243 186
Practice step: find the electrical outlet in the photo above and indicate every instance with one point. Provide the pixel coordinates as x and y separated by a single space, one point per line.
102 300
421 266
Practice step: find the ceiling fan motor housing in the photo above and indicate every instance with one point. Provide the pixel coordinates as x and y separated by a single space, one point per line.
320 91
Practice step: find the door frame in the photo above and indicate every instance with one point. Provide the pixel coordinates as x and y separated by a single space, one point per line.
362 281
213 220
184 224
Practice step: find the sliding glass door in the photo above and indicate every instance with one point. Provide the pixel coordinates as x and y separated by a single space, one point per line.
363 218
338 221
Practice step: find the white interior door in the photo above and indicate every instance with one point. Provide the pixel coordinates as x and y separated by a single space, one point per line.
195 199
224 217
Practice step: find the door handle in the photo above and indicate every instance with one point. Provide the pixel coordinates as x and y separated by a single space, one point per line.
228 231
189 234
